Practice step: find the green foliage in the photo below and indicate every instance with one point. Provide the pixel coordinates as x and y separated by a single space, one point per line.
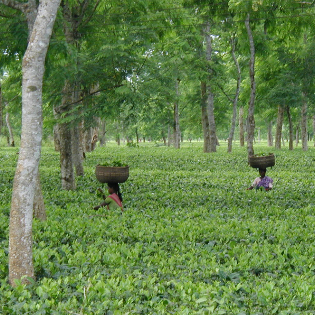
192 239
116 163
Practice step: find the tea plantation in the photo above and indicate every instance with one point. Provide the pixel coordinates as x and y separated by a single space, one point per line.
192 239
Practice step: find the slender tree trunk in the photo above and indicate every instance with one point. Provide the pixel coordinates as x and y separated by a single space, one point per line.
251 105
210 96
241 126
24 185
205 119
270 138
90 139
314 129
103 133
279 127
56 135
66 161
304 135
176 118
169 136
76 136
290 127
71 24
235 101
297 136
77 150
10 131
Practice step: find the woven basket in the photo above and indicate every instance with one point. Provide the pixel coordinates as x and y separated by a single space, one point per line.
111 174
261 161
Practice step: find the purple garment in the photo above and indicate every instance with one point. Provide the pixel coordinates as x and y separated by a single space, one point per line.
265 182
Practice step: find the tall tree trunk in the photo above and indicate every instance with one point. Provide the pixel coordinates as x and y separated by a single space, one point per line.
24 185
103 133
297 136
251 105
169 136
241 126
90 139
237 92
314 129
71 96
56 134
270 138
290 127
279 127
10 131
304 135
66 161
77 150
76 136
176 118
210 96
205 119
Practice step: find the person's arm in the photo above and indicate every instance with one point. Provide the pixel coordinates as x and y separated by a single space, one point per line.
102 192
269 185
254 184
103 204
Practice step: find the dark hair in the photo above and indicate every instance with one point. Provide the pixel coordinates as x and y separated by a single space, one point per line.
262 169
115 186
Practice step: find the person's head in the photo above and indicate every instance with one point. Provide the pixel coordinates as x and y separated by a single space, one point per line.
262 172
113 188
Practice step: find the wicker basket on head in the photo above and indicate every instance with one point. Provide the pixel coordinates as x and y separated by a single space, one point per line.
257 161
112 174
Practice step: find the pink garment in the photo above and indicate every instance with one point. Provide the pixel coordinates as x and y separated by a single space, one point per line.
116 199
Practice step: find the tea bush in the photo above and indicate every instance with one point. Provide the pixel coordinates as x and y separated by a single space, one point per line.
192 239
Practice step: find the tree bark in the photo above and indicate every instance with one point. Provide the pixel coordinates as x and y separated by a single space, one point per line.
204 118
66 161
169 136
24 185
251 105
10 131
297 136
241 126
39 204
290 127
314 129
103 133
90 139
279 127
270 138
56 134
235 101
304 134
77 150
176 117
71 130
210 96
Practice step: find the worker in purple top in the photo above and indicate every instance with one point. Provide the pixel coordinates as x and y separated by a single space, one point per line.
263 181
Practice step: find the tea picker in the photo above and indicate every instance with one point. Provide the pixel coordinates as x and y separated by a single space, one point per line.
112 175
261 162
